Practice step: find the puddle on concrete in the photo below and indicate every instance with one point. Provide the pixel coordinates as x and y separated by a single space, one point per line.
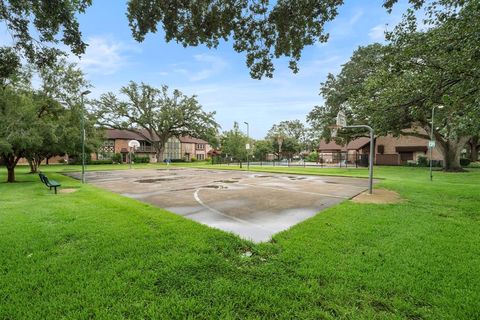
183 189
331 182
214 187
226 181
155 180
296 178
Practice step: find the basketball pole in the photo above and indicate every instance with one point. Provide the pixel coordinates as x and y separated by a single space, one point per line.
342 123
372 150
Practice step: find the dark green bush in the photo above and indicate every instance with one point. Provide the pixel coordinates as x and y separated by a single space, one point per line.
464 162
141 159
178 160
101 162
117 158
422 161
312 157
77 159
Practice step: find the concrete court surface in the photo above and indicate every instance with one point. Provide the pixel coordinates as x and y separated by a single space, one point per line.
254 206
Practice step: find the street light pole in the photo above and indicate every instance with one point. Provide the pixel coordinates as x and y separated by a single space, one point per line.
82 123
431 140
248 144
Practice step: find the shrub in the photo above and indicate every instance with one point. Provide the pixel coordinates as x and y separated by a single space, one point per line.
178 160
117 158
437 163
312 157
141 159
193 159
464 162
422 161
474 165
77 159
101 162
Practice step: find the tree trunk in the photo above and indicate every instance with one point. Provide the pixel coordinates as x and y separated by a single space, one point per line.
159 151
33 168
451 150
34 163
474 143
11 174
11 162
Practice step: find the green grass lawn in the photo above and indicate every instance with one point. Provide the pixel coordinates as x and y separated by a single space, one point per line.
95 254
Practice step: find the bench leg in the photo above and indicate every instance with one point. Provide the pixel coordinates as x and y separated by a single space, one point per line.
55 190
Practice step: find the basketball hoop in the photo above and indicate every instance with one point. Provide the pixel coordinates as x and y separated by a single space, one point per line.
341 119
134 144
334 130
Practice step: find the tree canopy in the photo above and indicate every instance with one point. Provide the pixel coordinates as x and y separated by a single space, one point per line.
233 143
262 30
35 24
394 87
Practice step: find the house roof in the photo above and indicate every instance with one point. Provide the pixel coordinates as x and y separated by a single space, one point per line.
352 145
130 135
188 139
126 134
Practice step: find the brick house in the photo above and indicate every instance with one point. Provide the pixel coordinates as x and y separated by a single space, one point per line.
185 148
389 150
400 150
332 152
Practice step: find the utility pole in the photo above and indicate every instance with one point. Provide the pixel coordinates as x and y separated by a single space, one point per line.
248 146
82 123
431 143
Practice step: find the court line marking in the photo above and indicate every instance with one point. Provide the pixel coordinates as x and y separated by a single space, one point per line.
290 190
203 204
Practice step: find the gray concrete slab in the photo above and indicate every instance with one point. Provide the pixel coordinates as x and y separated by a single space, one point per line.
253 205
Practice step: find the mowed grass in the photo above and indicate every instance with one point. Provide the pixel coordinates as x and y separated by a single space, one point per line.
95 254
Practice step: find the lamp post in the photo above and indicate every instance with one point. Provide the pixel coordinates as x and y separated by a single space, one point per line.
431 143
248 145
82 122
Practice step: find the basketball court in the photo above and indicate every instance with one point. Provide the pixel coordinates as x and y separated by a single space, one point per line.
254 206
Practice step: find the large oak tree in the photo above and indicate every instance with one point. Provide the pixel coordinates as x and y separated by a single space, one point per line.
155 115
394 87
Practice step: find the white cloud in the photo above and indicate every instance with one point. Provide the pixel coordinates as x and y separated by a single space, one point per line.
202 67
105 56
377 33
215 65
344 26
355 17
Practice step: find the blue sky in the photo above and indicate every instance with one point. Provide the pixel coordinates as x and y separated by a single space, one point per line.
219 77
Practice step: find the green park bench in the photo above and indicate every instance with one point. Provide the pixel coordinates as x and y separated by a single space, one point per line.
49 183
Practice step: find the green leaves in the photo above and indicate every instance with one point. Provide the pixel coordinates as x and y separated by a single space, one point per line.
233 143
50 20
394 87
261 30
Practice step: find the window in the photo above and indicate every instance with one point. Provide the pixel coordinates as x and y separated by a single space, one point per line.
108 146
107 150
200 146
172 149
381 148
200 156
